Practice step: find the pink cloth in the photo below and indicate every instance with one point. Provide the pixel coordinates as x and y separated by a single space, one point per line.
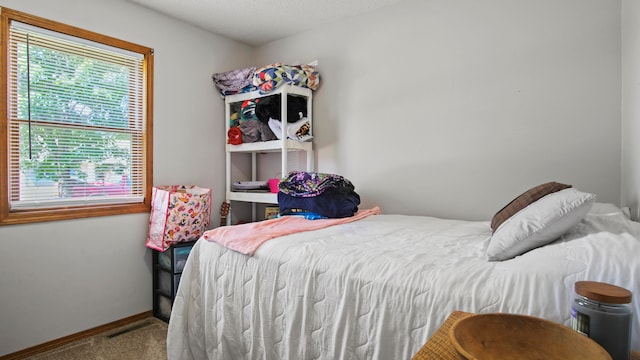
247 238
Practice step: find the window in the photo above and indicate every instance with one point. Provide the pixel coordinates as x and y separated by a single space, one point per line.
75 122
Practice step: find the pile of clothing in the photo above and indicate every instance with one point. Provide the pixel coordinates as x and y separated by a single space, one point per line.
317 195
266 78
260 119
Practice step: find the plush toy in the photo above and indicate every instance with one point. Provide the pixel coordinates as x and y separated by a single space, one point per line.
248 109
234 136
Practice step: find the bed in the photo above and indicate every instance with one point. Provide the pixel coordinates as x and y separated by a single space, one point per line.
379 287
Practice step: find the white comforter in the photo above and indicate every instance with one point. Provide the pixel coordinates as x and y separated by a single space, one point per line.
378 288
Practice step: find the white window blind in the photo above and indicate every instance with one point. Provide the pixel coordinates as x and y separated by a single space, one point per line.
76 121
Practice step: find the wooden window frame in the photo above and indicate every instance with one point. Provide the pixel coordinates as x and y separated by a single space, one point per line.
22 216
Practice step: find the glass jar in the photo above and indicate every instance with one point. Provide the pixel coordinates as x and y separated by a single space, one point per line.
603 312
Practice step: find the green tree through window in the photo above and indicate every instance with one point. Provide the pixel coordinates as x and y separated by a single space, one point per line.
61 88
78 119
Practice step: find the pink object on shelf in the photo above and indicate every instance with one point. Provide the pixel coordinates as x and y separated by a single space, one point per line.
273 185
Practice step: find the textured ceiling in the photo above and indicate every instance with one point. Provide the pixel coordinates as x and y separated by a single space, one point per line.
256 22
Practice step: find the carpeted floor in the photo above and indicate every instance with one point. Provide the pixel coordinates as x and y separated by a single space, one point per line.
143 340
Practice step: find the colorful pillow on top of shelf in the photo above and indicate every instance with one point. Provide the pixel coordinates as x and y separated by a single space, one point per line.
270 77
266 78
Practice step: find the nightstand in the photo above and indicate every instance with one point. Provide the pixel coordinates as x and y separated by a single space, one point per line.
167 269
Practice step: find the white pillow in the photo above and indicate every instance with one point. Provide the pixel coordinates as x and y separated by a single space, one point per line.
540 223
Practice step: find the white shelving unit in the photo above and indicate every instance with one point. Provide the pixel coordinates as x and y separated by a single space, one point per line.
283 146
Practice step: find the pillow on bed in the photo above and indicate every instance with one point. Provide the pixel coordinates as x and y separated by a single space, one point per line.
540 223
522 201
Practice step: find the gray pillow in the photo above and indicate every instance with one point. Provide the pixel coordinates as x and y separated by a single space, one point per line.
540 223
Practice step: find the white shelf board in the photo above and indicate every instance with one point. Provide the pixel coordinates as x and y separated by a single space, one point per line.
285 88
271 146
258 197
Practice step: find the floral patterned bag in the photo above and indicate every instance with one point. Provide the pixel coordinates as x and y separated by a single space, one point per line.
178 213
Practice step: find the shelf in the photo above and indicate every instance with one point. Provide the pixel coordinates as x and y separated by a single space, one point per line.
163 293
286 88
282 147
258 197
270 146
162 267
167 270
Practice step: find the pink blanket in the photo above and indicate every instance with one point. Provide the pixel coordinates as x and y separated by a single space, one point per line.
247 238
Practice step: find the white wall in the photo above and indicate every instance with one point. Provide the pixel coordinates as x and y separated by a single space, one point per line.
60 278
631 105
453 107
